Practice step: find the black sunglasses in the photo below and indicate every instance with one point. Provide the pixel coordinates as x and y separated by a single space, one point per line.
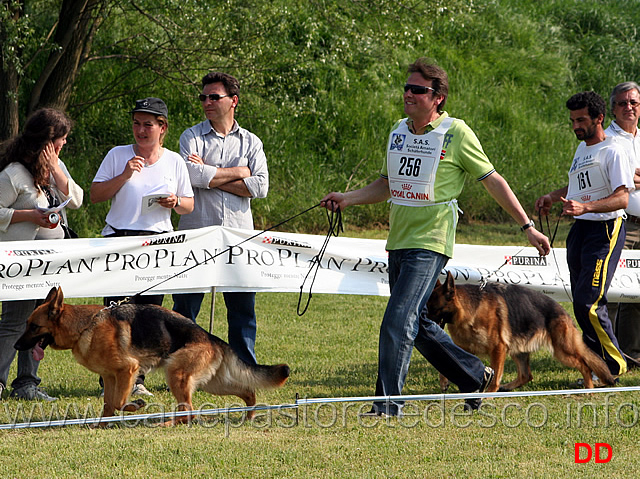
418 89
212 97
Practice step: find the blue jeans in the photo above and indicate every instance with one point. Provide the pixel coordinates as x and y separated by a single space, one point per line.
241 319
412 276
12 326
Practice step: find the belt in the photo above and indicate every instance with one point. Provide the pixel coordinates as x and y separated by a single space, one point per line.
633 219
135 232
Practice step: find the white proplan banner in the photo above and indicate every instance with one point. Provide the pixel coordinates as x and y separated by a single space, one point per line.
233 260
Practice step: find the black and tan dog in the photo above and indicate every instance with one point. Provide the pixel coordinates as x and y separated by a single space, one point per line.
504 319
118 342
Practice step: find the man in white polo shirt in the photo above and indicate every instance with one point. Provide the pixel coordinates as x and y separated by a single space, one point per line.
625 108
600 179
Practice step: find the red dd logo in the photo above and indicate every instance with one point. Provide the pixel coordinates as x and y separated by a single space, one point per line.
589 452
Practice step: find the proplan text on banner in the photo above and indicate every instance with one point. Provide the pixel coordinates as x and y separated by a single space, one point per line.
233 259
190 260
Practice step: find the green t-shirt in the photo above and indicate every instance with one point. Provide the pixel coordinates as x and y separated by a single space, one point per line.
433 227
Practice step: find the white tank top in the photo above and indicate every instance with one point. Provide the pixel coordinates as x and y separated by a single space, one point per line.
412 162
588 180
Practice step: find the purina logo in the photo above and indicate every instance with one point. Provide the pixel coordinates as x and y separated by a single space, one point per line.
526 260
29 252
284 242
397 142
585 198
168 240
406 186
629 263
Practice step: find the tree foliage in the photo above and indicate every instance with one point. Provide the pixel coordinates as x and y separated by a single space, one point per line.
320 80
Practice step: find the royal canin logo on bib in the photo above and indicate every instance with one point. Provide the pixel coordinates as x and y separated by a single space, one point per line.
406 186
585 198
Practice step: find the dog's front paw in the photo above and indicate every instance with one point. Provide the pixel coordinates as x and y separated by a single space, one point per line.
134 405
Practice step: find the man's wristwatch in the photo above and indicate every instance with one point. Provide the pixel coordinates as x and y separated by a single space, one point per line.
178 203
530 224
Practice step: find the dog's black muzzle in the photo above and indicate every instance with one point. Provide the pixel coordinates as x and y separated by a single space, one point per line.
25 342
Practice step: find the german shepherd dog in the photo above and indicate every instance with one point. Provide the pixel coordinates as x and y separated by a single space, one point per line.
118 342
499 319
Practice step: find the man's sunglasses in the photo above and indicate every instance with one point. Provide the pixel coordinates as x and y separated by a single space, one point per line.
212 97
418 89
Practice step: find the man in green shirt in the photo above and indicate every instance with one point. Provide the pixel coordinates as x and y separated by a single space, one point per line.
429 155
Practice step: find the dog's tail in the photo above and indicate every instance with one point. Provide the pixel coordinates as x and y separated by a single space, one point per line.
597 365
268 377
232 374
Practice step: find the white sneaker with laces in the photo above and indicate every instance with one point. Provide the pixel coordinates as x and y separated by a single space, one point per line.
140 390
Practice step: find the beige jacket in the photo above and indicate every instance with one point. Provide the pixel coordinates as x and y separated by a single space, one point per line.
17 192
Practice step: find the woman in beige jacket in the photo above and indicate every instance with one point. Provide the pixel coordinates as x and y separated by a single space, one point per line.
31 177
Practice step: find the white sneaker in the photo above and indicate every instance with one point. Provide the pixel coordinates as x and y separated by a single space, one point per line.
472 404
372 413
140 390
31 392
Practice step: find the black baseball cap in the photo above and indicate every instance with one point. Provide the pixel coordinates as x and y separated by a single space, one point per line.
152 105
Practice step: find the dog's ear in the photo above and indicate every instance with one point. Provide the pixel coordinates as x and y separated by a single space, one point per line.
55 299
52 294
450 283
449 287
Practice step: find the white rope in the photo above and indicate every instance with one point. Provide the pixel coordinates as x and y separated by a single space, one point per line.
306 401
140 417
454 396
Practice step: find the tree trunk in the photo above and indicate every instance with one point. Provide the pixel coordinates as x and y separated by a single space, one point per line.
9 113
77 22
9 123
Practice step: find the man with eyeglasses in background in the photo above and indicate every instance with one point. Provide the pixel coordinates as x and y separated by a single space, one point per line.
597 193
625 107
228 168
429 156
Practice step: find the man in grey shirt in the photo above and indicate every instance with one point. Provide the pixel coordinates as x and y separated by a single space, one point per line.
228 168
625 109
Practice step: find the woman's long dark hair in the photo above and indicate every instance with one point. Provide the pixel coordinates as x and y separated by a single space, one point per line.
43 126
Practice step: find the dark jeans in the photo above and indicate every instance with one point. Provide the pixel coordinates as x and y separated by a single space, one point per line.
241 319
412 276
12 326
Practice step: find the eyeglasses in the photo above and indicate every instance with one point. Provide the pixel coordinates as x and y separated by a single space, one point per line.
631 103
418 89
212 97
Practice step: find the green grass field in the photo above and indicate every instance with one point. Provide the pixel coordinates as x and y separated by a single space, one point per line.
332 351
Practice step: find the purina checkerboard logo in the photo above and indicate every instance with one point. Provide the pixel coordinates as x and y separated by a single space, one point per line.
526 260
181 238
629 263
284 242
29 252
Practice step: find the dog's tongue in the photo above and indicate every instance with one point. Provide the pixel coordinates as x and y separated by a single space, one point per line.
37 352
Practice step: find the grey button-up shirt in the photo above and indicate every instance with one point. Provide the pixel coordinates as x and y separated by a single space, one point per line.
212 205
